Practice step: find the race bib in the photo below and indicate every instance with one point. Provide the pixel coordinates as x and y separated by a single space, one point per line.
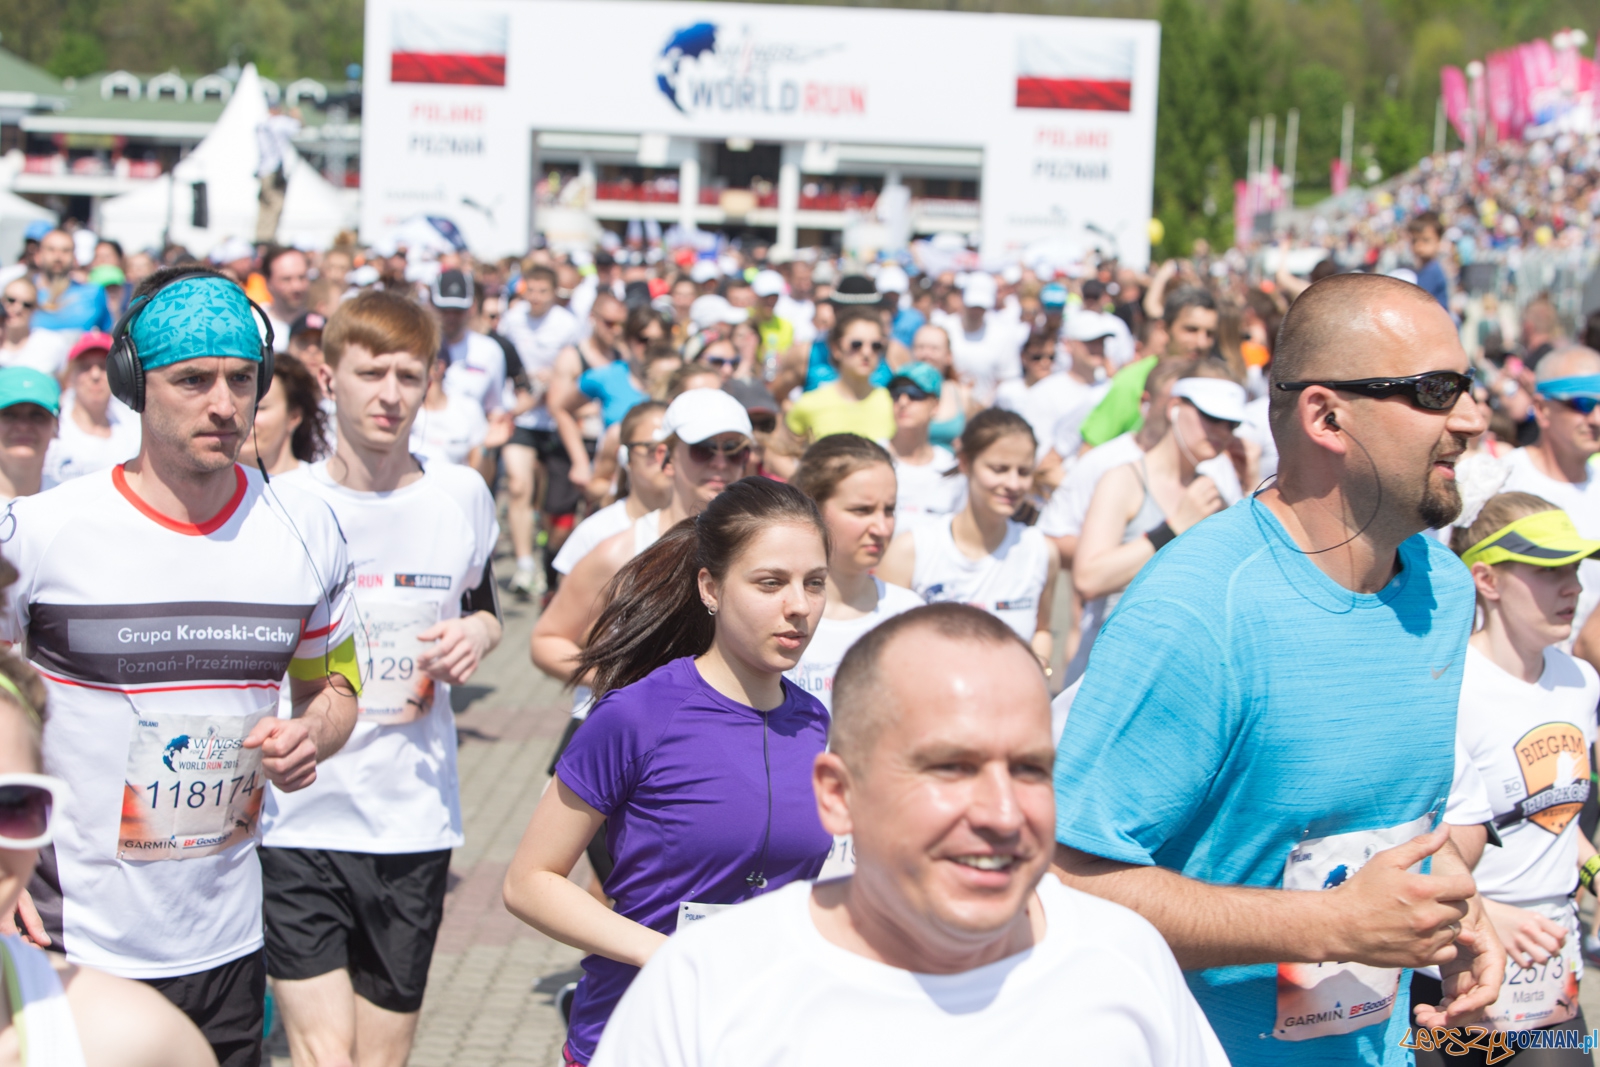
1322 999
192 788
1546 993
395 689
841 861
692 911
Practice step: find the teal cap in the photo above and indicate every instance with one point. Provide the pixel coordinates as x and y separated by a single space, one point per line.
193 318
924 376
24 385
1053 296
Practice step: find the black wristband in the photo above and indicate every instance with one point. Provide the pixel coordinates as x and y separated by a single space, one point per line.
1160 536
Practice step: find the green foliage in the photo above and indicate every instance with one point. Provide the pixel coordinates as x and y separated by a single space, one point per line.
284 38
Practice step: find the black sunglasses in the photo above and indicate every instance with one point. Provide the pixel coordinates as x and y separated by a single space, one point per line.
1437 390
734 454
763 421
909 390
857 345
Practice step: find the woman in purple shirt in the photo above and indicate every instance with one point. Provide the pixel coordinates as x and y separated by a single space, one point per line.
697 757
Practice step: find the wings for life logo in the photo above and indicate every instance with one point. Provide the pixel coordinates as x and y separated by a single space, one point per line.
705 69
1554 760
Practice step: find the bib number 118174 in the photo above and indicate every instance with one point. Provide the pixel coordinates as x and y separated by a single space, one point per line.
192 788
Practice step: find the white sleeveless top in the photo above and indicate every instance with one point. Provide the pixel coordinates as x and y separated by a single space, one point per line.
1006 583
1096 611
46 1032
646 532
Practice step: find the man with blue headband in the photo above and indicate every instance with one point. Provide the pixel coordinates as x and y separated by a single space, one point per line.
1566 406
164 601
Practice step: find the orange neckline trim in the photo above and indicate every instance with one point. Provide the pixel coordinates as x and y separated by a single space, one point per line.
210 526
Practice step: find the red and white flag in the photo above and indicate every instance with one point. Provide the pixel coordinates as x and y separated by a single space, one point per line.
448 47
1075 75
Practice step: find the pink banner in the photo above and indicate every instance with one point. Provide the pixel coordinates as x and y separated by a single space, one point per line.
1501 93
1338 176
1453 89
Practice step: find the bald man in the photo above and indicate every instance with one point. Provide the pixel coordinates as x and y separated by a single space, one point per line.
1272 707
950 943
1566 406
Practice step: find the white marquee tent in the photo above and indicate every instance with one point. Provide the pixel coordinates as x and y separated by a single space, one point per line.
225 163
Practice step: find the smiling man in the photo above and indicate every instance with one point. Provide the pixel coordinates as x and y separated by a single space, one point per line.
163 601
1272 707
950 944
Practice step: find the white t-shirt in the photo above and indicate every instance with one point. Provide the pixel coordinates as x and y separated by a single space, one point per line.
280 333
75 452
1257 429
392 788
1007 583
1581 501
1055 406
44 350
759 984
538 342
477 371
1530 744
923 492
161 644
814 673
1068 506
587 535
450 433
988 357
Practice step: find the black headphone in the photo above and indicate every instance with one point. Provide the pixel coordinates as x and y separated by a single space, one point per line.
124 372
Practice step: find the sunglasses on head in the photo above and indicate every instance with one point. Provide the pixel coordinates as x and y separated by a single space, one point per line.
1437 390
908 391
27 807
1583 405
858 344
735 454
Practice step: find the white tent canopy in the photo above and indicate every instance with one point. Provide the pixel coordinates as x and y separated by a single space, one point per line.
16 213
225 163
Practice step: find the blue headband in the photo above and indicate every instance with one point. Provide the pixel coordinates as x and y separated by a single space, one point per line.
193 318
1582 385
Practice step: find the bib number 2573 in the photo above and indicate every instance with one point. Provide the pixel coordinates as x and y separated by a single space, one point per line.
192 788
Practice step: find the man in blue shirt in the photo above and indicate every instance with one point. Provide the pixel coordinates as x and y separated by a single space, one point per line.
1272 707
63 303
1425 231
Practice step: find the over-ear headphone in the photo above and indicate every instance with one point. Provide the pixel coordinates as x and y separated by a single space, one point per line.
124 372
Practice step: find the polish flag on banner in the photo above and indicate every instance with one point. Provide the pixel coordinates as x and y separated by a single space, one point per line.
444 47
1071 75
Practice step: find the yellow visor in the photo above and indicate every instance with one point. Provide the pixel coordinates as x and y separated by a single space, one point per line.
1544 539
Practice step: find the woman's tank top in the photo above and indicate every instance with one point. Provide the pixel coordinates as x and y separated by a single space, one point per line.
1096 611
1006 583
46 1032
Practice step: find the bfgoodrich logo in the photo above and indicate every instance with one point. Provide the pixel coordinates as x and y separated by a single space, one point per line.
704 68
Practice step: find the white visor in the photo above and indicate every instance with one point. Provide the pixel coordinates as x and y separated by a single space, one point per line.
1216 397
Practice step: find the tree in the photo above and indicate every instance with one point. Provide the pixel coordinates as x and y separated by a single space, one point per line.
1188 149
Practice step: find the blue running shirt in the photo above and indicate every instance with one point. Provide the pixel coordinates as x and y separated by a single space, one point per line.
1239 707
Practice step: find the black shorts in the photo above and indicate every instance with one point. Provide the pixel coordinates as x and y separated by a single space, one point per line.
561 497
375 916
227 1003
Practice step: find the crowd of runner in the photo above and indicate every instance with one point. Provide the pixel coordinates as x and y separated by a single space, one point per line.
1190 670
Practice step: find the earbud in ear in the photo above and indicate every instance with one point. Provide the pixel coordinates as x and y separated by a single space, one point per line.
1172 413
1330 422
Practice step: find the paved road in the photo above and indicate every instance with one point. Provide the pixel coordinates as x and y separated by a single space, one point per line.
491 989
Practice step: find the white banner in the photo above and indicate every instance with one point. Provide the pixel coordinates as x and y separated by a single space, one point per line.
1063 109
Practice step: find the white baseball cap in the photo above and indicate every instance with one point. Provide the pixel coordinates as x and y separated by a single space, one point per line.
701 414
768 283
1216 397
713 310
892 279
1089 326
979 291
704 271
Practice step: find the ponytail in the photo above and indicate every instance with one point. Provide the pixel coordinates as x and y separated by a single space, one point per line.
652 611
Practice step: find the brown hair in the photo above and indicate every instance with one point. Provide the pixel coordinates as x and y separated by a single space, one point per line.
381 322
832 459
652 611
637 414
860 706
677 384
1428 220
542 273
1502 510
989 426
302 394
